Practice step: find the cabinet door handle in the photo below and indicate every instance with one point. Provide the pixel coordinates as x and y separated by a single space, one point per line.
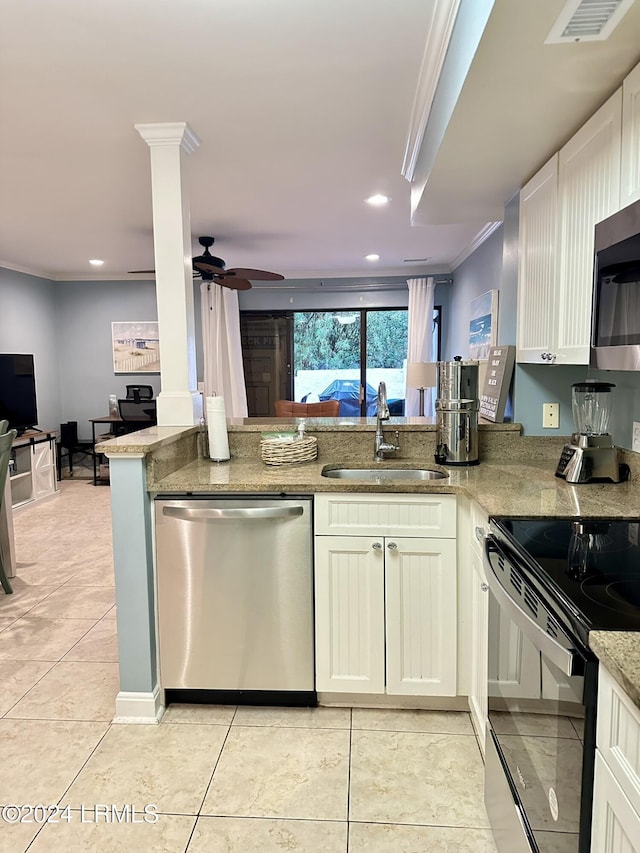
392 546
484 586
377 546
480 533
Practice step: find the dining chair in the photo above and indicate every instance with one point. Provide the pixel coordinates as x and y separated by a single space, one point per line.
6 440
289 409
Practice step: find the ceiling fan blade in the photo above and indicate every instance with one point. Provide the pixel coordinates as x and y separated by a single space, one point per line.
139 272
255 275
233 283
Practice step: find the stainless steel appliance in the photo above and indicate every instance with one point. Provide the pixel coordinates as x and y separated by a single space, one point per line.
551 582
457 407
235 599
615 328
591 455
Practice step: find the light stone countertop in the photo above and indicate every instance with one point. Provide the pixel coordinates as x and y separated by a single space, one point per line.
619 652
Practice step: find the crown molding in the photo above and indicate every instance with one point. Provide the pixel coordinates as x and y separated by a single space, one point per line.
442 22
477 241
7 265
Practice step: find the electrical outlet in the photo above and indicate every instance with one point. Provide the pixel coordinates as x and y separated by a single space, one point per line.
551 415
635 440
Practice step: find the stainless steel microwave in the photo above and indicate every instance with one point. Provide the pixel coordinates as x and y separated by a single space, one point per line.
615 328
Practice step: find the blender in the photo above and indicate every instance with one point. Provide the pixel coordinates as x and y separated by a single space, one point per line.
591 455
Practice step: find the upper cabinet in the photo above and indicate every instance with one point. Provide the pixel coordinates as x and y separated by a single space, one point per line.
559 209
630 171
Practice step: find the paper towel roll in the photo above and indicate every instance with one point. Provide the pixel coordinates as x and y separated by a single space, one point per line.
217 429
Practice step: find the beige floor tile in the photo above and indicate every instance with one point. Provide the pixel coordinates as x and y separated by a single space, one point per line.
436 722
46 574
169 766
37 638
281 772
24 597
16 837
322 718
99 574
390 838
211 715
40 758
17 678
5 621
72 690
98 644
89 831
429 779
263 835
76 602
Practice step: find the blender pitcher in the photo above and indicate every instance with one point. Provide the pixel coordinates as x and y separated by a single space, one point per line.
591 407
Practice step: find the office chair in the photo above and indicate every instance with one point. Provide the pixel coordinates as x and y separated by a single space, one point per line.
68 440
137 414
139 392
289 409
6 440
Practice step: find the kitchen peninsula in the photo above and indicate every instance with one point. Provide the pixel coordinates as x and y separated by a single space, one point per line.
515 476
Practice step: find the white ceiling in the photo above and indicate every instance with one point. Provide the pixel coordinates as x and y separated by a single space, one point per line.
303 110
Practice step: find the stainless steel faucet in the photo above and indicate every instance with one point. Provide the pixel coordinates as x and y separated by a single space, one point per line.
381 446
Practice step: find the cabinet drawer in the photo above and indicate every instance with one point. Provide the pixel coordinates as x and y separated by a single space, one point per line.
479 527
383 515
618 736
616 825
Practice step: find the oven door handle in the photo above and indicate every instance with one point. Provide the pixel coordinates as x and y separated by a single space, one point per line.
567 660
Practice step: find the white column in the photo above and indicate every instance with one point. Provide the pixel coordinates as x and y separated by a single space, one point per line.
179 403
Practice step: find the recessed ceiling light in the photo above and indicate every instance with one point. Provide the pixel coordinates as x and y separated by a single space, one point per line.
96 262
372 257
378 200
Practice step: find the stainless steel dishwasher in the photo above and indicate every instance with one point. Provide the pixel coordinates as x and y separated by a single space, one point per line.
235 599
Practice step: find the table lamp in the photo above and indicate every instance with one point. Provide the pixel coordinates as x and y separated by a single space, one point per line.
421 375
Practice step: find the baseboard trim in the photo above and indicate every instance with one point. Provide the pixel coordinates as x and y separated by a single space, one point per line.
143 708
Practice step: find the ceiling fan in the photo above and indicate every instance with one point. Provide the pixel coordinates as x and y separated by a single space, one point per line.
210 268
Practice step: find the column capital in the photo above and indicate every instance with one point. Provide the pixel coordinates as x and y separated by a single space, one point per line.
169 133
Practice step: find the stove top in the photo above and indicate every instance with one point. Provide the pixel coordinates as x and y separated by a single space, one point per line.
588 568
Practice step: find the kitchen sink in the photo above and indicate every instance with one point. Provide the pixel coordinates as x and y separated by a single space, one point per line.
378 474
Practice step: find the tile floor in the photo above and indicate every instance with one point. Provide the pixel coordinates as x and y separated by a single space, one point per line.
213 779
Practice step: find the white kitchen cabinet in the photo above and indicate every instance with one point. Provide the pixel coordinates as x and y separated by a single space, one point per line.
33 471
630 168
537 328
556 244
588 191
386 601
616 796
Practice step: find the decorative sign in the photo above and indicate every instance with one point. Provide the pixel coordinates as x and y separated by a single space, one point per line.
483 324
496 383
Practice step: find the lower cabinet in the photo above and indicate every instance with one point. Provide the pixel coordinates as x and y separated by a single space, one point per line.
33 470
386 614
478 692
616 795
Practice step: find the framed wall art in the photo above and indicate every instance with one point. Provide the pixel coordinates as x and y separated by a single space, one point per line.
136 347
483 324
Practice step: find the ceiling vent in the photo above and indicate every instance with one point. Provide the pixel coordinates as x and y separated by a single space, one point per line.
588 20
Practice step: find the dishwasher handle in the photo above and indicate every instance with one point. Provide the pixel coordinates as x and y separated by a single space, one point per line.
211 514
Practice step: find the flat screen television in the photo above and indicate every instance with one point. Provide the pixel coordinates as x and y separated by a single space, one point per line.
18 391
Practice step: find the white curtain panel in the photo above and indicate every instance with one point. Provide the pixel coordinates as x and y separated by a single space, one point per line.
420 339
223 373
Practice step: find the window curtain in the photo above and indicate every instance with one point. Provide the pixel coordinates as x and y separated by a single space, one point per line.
223 373
420 339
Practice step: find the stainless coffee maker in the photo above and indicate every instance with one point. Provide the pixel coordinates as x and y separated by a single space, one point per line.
457 412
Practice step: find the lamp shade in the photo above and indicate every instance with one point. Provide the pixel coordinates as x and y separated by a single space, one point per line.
421 374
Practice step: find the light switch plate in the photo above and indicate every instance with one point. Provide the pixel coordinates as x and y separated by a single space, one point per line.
635 440
551 415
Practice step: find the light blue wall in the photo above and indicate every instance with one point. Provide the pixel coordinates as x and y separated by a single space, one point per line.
28 313
86 310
